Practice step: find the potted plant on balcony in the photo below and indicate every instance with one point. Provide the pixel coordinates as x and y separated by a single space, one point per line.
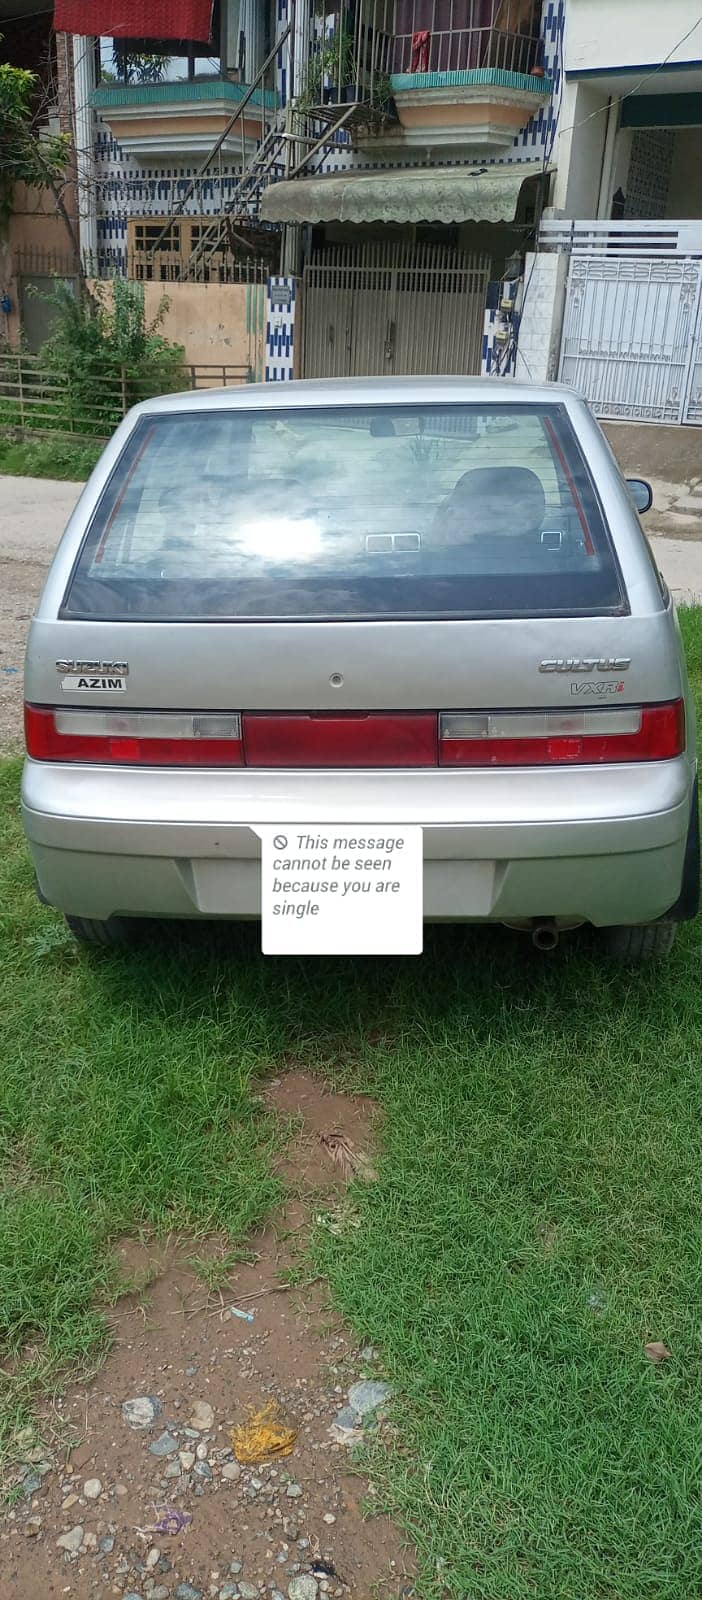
331 74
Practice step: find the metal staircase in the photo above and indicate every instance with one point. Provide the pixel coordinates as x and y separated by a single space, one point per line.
288 146
292 136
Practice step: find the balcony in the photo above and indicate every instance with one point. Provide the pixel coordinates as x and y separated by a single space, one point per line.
181 120
476 85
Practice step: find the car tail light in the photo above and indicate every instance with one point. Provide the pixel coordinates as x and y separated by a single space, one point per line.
134 738
561 738
354 739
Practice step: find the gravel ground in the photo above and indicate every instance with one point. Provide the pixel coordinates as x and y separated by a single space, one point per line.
34 512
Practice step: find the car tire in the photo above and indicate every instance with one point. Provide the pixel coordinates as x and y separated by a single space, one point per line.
87 930
651 941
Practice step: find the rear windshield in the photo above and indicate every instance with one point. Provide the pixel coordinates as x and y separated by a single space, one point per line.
348 513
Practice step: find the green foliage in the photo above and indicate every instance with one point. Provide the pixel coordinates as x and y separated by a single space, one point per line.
107 356
24 158
335 61
146 67
69 459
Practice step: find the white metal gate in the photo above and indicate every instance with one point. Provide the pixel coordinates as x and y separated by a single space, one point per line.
632 336
390 306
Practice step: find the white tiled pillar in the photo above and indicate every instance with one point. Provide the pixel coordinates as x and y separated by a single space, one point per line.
541 321
83 85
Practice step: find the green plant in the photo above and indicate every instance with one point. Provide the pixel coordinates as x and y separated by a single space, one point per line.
60 457
24 158
106 354
335 60
139 67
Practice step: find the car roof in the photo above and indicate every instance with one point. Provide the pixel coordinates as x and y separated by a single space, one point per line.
361 391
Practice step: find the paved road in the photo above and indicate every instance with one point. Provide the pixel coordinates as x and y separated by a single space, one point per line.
33 512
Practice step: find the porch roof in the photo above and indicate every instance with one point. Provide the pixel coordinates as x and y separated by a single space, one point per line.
415 194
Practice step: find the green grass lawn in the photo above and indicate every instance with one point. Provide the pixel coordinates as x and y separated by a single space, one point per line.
72 460
537 1218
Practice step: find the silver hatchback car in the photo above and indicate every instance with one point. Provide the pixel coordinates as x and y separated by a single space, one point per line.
420 604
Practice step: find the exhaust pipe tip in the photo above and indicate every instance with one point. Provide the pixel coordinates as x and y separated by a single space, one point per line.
544 934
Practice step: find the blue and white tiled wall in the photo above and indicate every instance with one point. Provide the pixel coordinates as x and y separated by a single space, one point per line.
281 305
125 189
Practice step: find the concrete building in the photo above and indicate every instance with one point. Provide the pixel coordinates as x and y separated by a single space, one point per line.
612 298
406 139
404 185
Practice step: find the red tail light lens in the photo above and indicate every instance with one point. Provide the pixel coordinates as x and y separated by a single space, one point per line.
356 740
407 739
560 738
135 738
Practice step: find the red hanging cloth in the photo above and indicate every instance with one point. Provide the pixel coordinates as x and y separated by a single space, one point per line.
136 19
420 50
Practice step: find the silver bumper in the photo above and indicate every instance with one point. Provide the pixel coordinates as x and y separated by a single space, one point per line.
590 844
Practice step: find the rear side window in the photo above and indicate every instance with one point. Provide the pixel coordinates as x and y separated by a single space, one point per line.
348 513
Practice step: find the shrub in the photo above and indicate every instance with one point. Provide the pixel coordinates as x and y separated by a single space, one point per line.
106 356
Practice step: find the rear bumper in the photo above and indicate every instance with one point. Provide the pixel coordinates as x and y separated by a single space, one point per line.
590 844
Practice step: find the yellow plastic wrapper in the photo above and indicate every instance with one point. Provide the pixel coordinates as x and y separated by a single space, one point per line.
266 1436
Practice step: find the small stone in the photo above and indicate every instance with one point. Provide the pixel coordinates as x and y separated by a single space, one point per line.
142 1411
92 1488
203 1469
187 1591
329 1518
201 1452
107 1544
153 1557
368 1395
231 1471
202 1416
70 1500
293 1491
229 1591
165 1445
186 1459
120 1490
31 1483
235 1566
190 1372
369 1353
132 1595
72 1540
347 1418
303 1588
172 1469
159 1592
89 1541
32 1527
248 1591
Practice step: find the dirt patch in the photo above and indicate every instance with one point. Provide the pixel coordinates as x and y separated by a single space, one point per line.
33 514
291 1526
21 583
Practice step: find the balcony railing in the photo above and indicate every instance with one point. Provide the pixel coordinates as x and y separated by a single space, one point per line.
464 50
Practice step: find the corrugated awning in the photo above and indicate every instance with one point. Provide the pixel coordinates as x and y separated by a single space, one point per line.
415 194
136 19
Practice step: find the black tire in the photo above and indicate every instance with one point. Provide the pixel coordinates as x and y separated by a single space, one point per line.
88 930
651 941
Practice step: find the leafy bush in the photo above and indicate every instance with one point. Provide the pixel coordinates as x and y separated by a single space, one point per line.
106 356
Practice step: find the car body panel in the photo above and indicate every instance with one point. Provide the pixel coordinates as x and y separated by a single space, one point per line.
601 844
